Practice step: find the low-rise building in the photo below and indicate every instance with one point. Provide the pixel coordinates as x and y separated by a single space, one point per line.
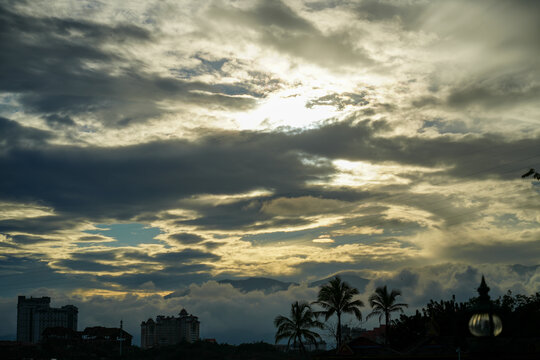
349 332
104 335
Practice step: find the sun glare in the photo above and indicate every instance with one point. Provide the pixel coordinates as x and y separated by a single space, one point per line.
286 109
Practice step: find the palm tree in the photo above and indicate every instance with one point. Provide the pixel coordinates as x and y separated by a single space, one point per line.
298 326
383 304
336 297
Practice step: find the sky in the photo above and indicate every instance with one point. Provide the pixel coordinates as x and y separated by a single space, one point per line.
151 147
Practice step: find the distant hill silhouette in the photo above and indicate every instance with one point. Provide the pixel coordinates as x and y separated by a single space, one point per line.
352 279
177 293
266 285
269 286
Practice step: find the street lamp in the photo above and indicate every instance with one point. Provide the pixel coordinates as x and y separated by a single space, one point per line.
484 322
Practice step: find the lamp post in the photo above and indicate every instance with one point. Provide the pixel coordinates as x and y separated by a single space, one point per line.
484 322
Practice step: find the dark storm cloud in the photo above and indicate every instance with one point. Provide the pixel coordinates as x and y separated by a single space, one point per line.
22 273
228 216
29 239
45 61
90 266
12 134
42 225
281 28
107 255
166 279
123 182
174 261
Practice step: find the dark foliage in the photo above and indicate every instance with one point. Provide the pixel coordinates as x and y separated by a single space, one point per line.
520 315
336 297
199 350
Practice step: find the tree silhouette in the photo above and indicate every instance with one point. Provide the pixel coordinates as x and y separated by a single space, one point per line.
532 172
298 326
336 297
383 304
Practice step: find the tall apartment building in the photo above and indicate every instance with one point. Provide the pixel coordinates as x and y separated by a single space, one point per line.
169 330
34 315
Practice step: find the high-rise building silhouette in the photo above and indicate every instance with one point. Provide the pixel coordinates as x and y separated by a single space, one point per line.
169 330
34 315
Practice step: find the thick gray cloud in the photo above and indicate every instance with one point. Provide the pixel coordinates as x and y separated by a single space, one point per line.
29 239
409 14
46 61
41 225
15 135
279 27
90 266
161 171
502 95
158 175
524 252
21 274
186 238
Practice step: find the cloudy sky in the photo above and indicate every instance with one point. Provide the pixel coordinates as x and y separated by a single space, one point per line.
148 147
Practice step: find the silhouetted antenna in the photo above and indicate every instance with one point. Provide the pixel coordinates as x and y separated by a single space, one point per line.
121 335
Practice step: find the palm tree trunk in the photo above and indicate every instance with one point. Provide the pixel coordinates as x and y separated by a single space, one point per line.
338 332
302 348
386 328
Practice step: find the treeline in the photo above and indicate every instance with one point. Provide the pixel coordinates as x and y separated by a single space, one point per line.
205 351
200 350
520 315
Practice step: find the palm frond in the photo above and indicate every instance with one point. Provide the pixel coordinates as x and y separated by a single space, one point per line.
302 318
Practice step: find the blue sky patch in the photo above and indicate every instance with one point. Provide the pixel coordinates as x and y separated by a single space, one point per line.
132 234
